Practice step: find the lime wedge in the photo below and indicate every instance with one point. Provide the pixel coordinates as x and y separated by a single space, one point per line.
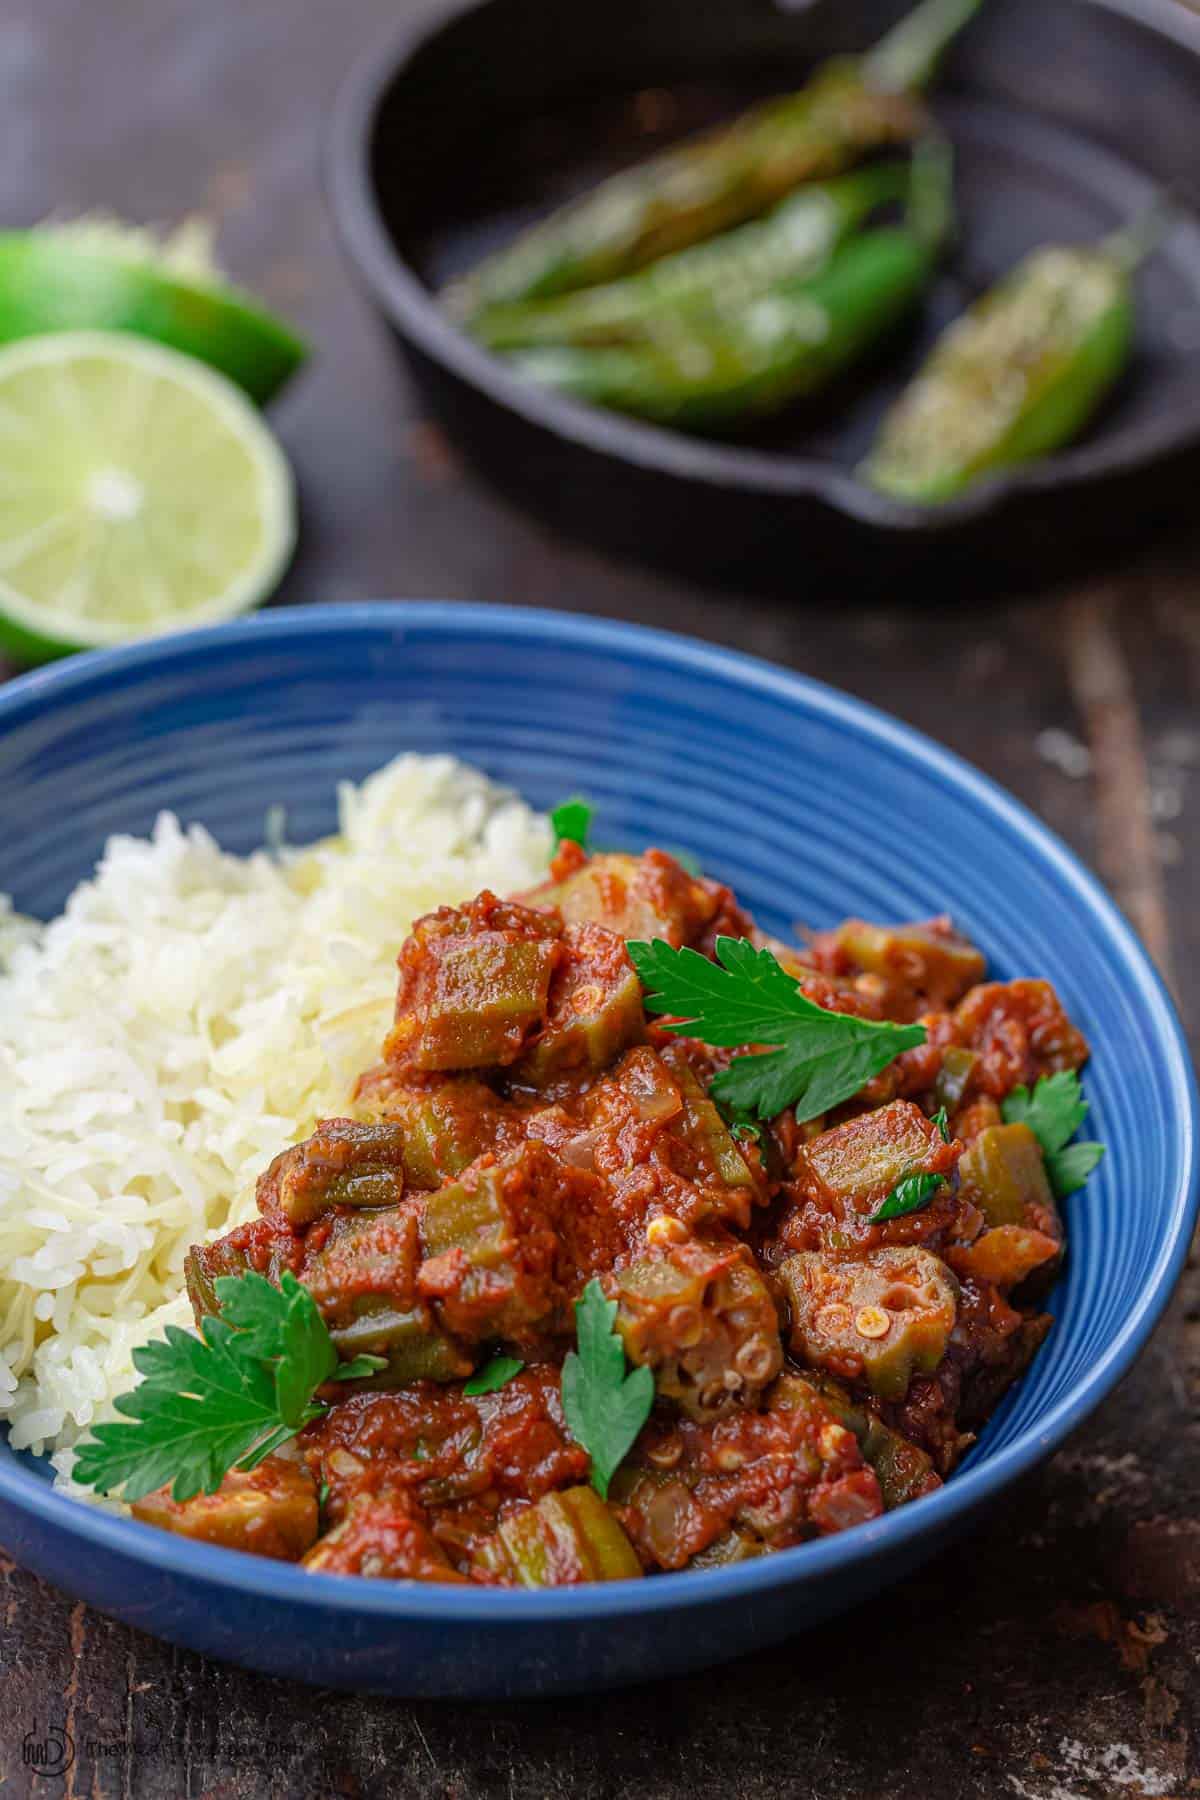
140 492
96 274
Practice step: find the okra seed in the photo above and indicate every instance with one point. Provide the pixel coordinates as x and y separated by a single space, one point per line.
872 1322
685 1326
756 1359
666 1229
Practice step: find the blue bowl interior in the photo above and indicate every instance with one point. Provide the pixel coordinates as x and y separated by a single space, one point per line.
810 804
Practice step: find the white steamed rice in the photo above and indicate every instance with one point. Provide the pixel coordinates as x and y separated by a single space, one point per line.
188 1015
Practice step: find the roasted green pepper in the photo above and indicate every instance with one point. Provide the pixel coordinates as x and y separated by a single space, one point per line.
791 244
1017 376
690 192
718 366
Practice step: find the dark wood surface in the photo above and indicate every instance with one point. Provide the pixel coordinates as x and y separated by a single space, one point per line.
1054 1655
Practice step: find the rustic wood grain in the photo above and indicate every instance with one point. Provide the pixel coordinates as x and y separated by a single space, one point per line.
1052 1656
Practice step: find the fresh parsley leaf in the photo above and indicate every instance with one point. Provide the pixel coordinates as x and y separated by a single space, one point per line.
571 821
941 1120
746 997
493 1375
323 1495
222 1400
908 1196
1070 1168
1054 1111
605 1407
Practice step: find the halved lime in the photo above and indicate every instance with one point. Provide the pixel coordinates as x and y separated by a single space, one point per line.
97 274
140 492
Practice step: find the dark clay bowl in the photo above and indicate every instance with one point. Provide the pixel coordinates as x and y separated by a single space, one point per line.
1067 115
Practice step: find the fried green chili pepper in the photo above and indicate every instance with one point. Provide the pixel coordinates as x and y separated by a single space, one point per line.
791 243
1018 375
716 367
850 108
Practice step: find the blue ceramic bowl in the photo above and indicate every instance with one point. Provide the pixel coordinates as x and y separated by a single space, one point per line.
812 805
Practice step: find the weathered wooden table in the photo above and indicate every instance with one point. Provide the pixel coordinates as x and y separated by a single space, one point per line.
1053 1657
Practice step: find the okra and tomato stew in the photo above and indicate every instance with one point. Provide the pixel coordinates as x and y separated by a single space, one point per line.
648 1244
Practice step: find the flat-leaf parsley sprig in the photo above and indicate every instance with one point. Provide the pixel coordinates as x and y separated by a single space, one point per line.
222 1400
1054 1112
819 1058
571 822
605 1406
914 1192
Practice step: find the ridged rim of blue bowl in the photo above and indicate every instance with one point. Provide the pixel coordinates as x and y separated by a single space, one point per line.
257 1576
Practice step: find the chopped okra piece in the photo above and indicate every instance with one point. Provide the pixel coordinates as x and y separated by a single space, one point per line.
718 1157
202 1267
1007 1255
562 1539
703 1319
663 1515
903 1470
954 1077
266 1246
1020 1032
856 1165
369 1256
379 1539
595 1009
649 896
364 1280
1004 1175
415 1347
444 1122
474 985
733 1546
483 997
343 1163
492 1248
929 960
271 1510
879 1318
